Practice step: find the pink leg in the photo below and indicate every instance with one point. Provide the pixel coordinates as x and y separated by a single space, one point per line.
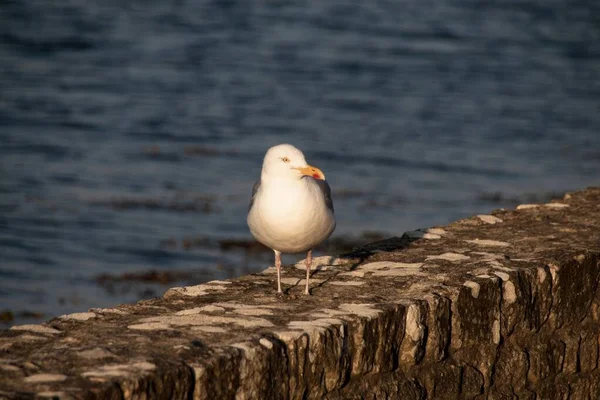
278 266
308 265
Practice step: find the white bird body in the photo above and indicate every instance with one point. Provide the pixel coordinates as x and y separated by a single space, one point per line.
290 216
291 210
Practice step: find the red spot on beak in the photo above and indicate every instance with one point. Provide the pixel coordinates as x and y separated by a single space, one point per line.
316 176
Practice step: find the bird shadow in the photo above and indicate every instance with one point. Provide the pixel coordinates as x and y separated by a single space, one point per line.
361 254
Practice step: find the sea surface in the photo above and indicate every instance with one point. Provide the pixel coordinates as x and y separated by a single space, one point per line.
131 132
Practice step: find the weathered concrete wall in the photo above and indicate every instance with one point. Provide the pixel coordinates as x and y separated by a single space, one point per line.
493 306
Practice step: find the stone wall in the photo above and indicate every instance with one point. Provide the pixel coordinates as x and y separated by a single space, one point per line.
493 306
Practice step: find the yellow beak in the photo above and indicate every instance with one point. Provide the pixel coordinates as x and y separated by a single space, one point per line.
312 171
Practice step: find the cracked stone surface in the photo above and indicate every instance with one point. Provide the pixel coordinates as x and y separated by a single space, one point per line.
502 305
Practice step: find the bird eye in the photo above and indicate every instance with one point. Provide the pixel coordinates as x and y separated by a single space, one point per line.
285 159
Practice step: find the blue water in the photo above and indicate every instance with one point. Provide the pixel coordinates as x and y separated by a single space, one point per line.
129 130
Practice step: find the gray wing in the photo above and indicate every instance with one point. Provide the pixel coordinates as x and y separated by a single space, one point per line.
326 190
254 191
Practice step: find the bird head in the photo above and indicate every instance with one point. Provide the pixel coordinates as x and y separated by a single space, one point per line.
286 161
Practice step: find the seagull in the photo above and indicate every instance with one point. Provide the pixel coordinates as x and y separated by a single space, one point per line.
291 209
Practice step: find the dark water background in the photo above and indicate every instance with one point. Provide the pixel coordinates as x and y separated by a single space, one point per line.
131 132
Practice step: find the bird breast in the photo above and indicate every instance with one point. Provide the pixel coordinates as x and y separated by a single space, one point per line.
290 216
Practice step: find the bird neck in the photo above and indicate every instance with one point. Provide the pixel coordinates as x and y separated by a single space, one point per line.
279 180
